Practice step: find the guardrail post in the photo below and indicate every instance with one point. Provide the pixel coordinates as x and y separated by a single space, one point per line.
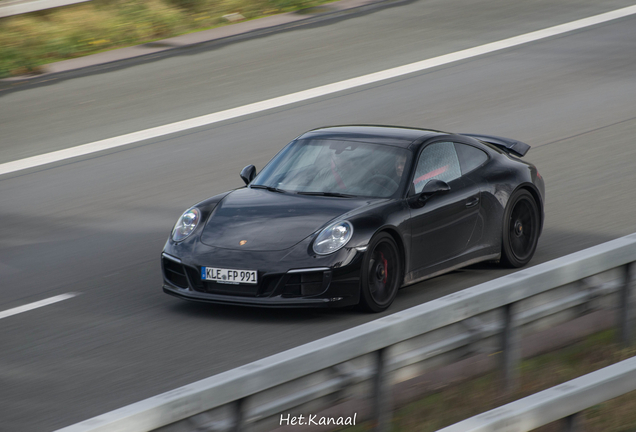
573 423
626 306
381 394
238 415
510 346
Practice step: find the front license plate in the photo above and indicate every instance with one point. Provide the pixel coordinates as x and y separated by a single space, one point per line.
229 276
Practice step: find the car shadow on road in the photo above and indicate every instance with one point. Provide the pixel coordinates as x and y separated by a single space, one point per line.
261 315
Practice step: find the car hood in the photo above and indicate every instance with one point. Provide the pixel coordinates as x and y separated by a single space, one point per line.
266 220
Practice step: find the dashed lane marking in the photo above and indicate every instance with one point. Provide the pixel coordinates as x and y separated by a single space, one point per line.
35 305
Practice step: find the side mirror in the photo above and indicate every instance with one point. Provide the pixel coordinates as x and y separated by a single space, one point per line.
248 173
431 188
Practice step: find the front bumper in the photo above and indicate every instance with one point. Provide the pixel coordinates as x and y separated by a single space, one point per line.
335 282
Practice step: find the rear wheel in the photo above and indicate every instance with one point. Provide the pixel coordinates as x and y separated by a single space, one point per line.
381 274
520 229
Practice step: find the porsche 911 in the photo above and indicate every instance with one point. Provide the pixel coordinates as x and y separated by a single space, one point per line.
347 215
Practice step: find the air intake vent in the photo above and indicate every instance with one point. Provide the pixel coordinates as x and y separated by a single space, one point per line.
174 273
304 284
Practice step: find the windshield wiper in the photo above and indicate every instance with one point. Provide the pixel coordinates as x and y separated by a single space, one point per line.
329 194
269 188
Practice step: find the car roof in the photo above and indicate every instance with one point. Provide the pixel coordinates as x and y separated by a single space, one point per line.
397 136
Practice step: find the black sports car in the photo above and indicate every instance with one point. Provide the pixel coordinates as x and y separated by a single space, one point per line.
347 215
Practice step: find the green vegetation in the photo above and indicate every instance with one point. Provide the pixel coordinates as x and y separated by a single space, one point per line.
475 396
31 40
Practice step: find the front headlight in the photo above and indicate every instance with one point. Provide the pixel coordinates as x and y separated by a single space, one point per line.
186 224
332 238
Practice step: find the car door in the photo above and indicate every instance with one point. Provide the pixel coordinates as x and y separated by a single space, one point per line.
472 160
441 229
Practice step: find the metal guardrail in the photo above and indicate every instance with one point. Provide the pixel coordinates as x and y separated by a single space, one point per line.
393 344
13 7
564 401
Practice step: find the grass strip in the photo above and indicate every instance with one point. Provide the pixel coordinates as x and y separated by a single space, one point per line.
29 41
460 401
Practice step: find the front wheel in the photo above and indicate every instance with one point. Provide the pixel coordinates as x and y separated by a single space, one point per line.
381 274
520 229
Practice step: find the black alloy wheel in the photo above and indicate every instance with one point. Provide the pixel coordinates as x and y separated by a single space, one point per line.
520 229
381 274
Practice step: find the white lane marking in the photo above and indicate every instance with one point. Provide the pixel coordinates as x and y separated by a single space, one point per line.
35 305
304 95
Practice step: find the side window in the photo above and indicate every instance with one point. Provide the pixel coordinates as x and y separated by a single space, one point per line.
470 157
437 161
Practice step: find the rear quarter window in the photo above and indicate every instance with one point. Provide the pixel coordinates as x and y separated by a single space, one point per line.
470 157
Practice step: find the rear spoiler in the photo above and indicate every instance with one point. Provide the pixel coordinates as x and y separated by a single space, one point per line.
506 144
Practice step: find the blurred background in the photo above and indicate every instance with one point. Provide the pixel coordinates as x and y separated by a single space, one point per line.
95 224
27 41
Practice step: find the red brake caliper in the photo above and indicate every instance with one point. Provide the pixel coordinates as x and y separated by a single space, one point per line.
386 267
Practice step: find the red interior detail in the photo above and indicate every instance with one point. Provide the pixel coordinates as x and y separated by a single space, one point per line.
341 184
431 174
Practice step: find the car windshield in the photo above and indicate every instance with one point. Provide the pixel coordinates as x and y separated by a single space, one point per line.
335 168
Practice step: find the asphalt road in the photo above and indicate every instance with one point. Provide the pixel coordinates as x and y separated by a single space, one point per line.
96 225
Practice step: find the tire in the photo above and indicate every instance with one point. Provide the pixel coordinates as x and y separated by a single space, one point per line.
381 274
521 226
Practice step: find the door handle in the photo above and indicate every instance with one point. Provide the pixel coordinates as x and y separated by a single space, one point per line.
472 202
